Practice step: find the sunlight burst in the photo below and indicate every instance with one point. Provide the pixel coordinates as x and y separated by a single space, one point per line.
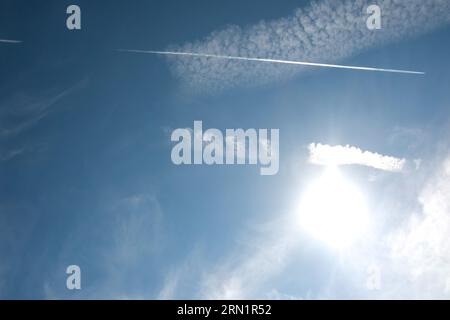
333 210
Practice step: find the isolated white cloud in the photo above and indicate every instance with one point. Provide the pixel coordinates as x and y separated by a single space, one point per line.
322 154
325 31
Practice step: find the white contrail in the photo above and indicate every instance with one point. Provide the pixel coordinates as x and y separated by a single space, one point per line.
10 41
313 64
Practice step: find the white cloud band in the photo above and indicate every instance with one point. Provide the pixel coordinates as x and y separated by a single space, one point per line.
325 31
321 154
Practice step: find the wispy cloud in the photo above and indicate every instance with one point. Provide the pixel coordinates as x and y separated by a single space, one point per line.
10 154
322 154
178 278
249 273
248 278
326 31
9 41
128 232
420 249
24 111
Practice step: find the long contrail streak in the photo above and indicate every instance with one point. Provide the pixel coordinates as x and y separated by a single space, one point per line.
312 64
9 41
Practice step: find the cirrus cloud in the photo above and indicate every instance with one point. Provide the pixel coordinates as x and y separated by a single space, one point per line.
323 32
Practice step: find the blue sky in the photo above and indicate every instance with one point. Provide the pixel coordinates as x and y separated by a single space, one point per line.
86 176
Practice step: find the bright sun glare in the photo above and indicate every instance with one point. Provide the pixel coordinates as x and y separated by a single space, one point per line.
333 210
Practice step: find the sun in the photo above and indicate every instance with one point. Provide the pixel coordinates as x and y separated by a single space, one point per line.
333 210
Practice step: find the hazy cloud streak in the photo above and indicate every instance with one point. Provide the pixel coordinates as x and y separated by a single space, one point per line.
325 31
9 41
